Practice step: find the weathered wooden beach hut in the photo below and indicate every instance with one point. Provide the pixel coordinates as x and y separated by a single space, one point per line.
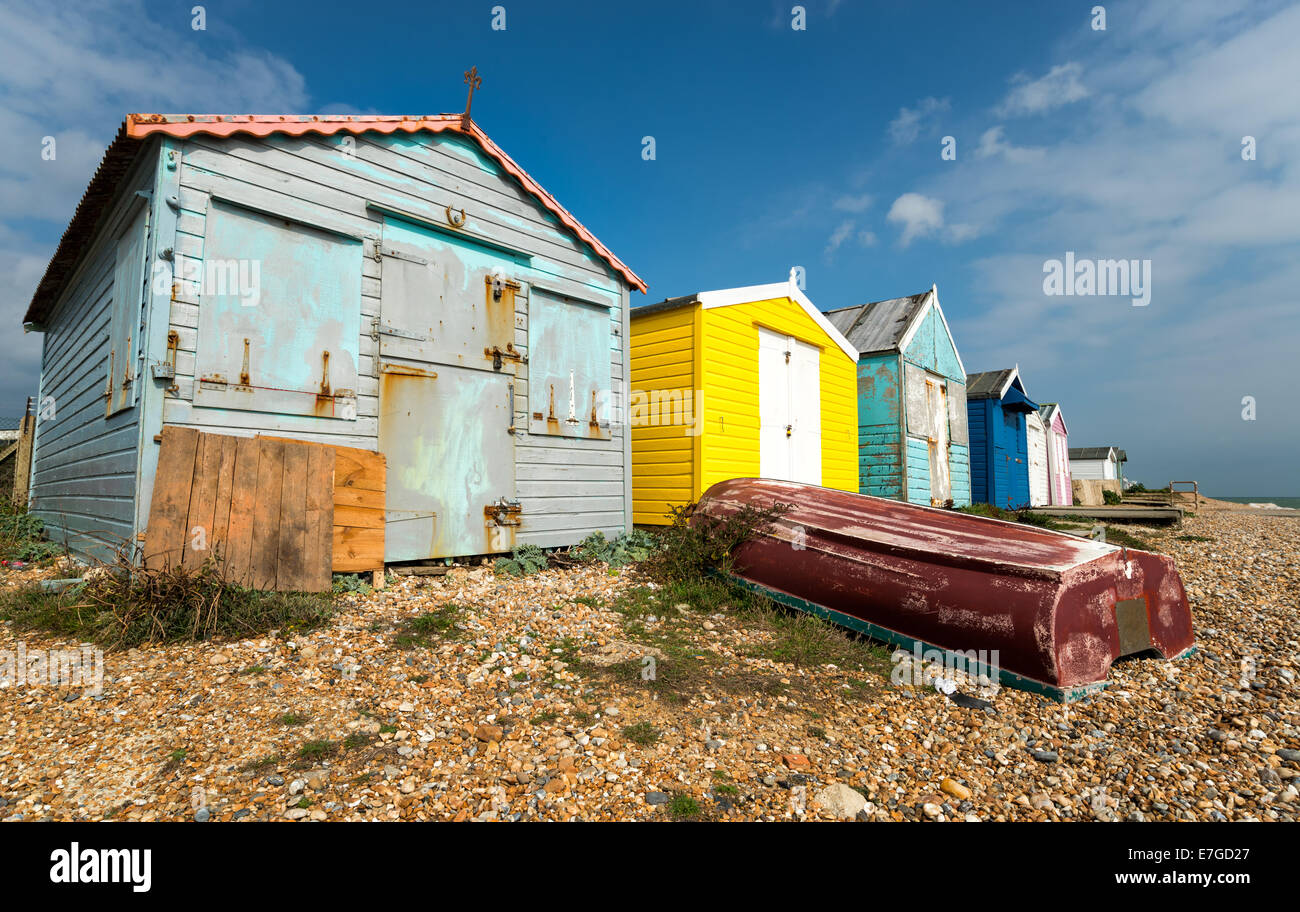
912 429
391 285
1058 454
998 407
740 382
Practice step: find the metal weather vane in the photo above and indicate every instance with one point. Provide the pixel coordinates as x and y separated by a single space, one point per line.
473 80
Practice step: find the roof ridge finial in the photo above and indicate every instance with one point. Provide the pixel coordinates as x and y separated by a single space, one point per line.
473 80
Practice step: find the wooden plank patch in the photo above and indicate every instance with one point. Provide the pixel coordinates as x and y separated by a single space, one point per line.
264 506
165 539
360 481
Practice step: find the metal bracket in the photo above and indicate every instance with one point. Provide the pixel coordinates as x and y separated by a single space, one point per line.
504 512
498 355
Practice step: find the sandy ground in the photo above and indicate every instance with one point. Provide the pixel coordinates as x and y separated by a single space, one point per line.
515 714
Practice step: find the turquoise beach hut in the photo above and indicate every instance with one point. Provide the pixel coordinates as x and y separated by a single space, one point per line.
912 437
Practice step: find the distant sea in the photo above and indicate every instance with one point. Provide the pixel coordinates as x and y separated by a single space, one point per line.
1291 503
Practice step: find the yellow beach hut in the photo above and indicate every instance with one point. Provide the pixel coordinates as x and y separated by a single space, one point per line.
738 383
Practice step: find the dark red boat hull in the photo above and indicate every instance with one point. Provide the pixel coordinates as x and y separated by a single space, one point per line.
1057 609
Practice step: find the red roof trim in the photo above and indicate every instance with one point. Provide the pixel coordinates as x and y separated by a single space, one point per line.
121 153
139 126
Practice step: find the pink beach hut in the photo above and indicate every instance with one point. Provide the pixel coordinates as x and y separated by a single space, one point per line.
1058 455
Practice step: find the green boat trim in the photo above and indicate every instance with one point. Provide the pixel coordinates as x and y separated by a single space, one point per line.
954 659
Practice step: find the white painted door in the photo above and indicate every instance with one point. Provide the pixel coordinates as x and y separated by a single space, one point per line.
940 482
1036 438
789 406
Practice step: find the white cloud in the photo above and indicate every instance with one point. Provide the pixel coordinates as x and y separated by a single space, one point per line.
919 215
841 234
850 203
906 127
1246 84
1060 86
993 142
844 232
73 71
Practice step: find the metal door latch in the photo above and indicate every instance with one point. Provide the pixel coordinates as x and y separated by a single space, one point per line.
498 355
504 512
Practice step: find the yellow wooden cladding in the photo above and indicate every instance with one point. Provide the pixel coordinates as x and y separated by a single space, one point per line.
715 351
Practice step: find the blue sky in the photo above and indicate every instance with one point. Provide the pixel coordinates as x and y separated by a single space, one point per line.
820 148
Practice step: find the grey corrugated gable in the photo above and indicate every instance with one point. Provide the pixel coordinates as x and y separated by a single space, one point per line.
878 325
987 384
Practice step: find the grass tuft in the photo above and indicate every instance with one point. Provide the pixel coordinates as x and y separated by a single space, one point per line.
429 628
122 605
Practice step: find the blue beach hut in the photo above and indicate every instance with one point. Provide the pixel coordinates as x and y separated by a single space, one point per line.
997 407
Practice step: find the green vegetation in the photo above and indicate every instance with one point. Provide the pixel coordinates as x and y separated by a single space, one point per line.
262 763
642 733
1138 487
317 750
348 583
690 582
22 536
292 718
523 561
1111 498
1117 536
624 550
429 628
681 807
128 605
697 544
358 739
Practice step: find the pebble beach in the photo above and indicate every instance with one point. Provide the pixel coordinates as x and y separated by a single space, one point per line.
519 710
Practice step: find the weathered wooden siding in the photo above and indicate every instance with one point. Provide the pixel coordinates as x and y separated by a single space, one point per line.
978 412
84 464
918 471
663 412
880 465
959 466
1096 469
729 378
1058 461
932 348
567 487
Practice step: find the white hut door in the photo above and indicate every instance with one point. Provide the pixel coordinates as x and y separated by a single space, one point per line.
789 406
1036 439
940 482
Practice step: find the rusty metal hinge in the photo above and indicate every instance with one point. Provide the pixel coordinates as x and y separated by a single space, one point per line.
504 512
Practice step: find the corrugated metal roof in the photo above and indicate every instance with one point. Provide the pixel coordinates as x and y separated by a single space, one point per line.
122 151
1090 452
987 384
666 304
878 325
